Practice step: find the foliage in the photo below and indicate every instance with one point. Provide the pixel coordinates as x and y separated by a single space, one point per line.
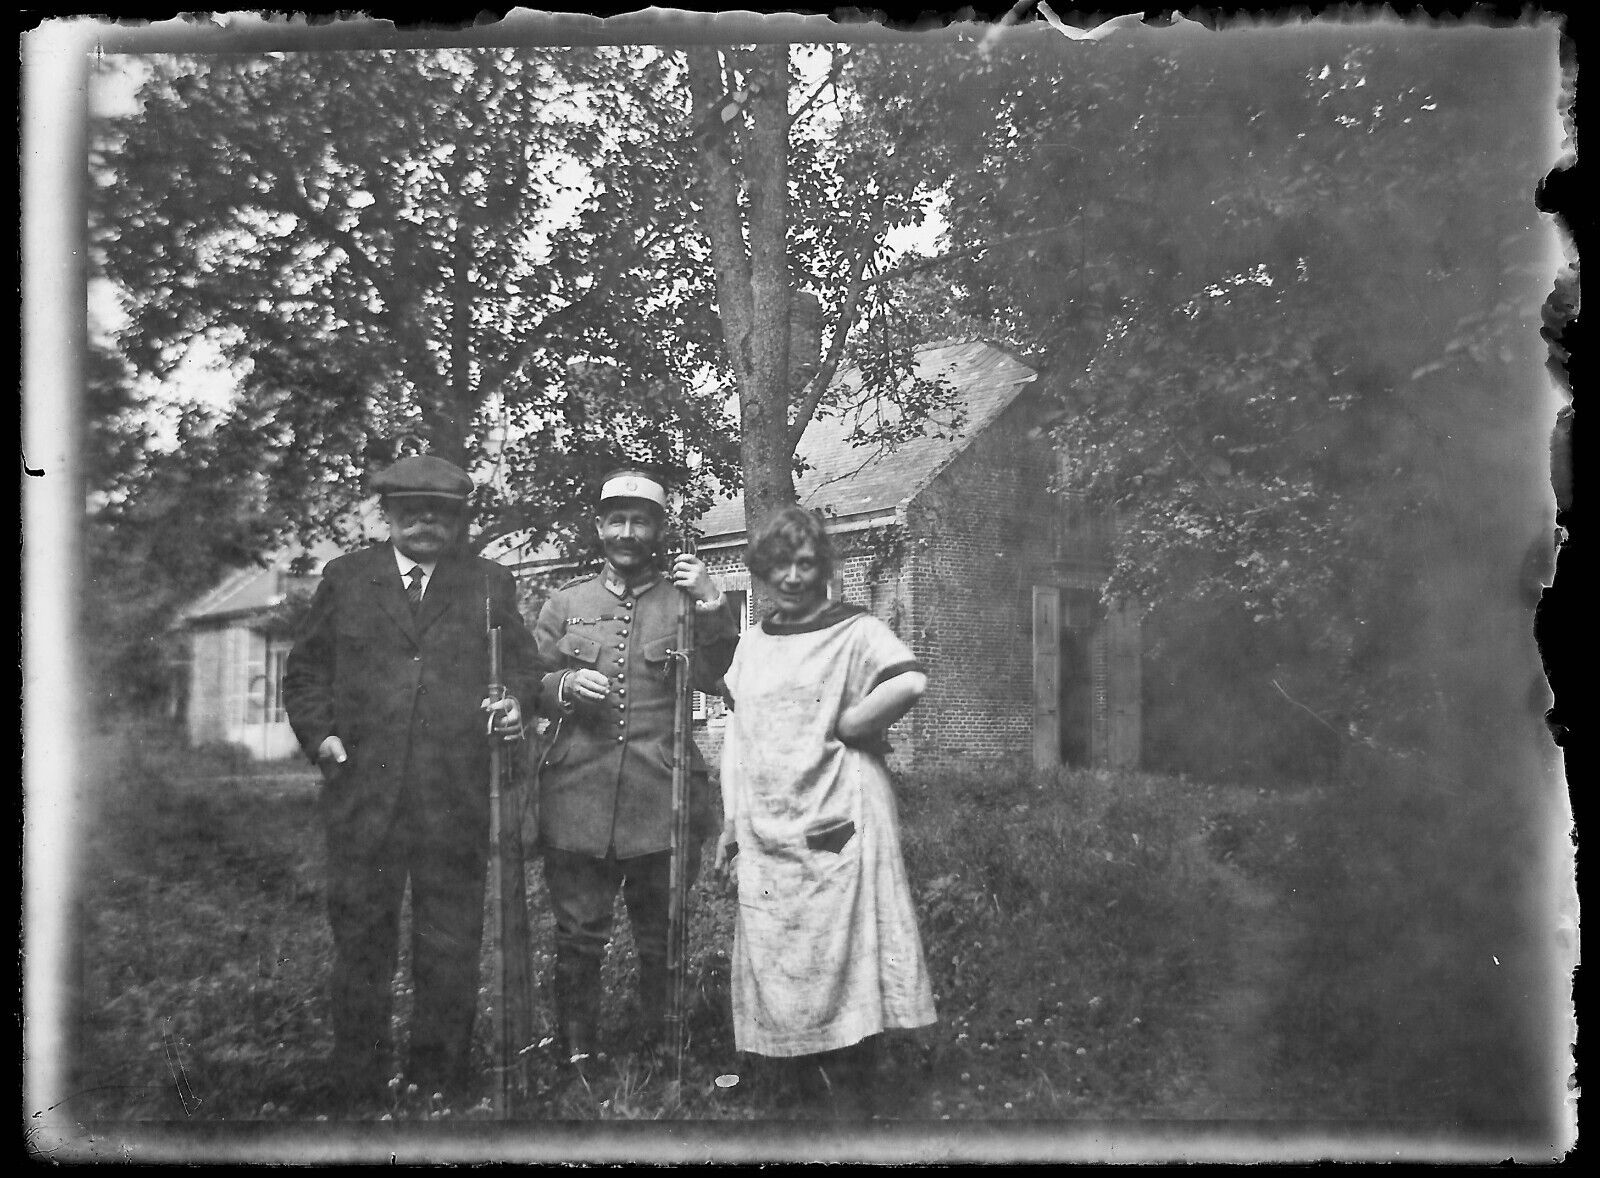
162 526
1286 284
1398 933
380 243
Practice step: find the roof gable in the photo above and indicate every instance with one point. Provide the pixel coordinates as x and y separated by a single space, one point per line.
249 590
846 480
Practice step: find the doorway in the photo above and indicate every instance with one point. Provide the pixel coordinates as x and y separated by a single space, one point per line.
1064 655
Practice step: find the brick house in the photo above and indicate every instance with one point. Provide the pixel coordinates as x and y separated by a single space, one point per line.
954 540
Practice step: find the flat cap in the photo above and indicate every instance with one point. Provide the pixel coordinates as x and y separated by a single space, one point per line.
634 484
426 475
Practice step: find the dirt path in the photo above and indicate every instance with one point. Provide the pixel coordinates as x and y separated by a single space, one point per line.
1239 1073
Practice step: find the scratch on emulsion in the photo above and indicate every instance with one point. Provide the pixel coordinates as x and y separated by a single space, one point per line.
180 1077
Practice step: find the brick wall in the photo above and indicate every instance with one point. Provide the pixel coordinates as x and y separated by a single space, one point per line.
978 538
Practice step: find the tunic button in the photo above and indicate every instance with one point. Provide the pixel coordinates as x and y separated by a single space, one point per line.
620 738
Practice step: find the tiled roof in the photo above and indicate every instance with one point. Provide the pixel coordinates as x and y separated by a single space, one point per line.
851 481
247 590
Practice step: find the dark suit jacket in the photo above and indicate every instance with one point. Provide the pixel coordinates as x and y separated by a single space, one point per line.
403 692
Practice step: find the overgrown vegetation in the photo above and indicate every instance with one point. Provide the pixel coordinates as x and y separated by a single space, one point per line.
1423 963
1083 932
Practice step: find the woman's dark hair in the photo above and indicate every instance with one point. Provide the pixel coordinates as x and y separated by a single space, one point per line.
783 534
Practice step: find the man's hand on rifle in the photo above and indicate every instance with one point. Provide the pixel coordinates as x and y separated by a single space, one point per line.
689 573
505 719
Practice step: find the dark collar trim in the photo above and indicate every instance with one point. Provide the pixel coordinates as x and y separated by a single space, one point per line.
836 612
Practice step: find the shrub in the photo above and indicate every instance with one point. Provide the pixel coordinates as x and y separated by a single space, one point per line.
222 757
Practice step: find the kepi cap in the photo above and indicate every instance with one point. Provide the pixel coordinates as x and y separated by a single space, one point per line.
423 475
634 484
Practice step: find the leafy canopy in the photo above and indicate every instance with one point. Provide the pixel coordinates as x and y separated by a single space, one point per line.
486 252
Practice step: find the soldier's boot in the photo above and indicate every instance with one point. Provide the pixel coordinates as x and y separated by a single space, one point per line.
655 984
577 994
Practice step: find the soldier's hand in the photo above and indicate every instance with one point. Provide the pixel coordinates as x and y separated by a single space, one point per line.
689 573
587 686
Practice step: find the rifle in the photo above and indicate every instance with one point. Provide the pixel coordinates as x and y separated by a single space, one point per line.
511 983
678 905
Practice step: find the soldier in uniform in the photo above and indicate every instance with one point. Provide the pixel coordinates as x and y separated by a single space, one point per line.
606 783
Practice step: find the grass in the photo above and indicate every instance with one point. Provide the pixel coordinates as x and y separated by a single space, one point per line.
1082 932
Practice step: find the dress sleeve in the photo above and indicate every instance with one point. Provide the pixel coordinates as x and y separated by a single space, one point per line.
880 655
728 778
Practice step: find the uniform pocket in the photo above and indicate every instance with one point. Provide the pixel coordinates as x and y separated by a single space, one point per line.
579 648
659 651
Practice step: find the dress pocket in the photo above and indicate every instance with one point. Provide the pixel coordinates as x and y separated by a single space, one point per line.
832 837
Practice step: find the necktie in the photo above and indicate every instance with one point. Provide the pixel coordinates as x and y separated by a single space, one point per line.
414 586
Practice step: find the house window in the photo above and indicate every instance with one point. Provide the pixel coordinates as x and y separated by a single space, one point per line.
277 659
739 602
263 697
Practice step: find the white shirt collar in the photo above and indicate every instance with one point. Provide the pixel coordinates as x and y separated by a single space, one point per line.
405 564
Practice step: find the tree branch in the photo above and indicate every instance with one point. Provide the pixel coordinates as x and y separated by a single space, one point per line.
818 386
835 66
970 251
721 217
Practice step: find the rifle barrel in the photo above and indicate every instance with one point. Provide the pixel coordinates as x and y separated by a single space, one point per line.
678 905
510 988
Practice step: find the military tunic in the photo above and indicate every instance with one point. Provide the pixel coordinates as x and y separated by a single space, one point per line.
606 783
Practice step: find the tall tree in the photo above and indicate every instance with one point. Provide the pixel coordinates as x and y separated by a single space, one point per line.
797 194
482 250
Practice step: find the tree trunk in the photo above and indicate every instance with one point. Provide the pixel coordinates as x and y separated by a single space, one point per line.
451 408
753 278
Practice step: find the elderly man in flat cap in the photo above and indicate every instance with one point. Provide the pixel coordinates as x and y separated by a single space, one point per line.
606 782
385 689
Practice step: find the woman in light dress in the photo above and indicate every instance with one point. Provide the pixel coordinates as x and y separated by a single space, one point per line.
826 955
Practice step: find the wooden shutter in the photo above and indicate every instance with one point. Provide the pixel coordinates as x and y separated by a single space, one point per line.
1124 687
1046 676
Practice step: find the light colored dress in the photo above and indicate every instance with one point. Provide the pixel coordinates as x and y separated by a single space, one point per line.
826 950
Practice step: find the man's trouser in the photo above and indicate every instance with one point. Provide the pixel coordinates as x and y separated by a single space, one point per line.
365 889
583 892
